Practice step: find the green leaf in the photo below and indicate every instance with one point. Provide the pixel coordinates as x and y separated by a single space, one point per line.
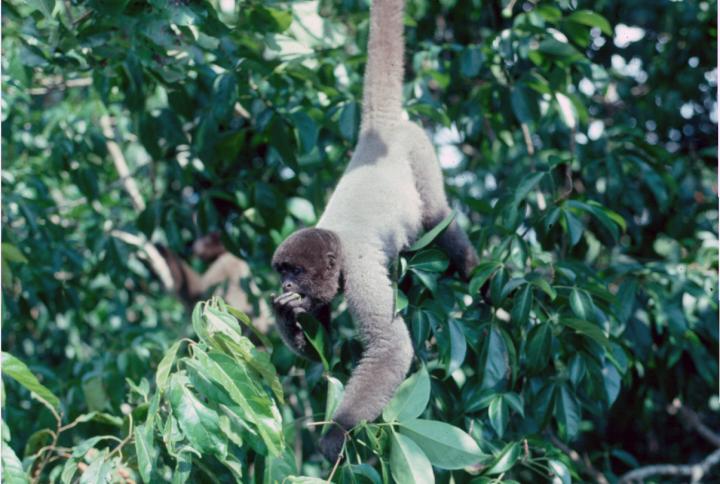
145 450
270 19
545 287
335 394
498 414
591 19
560 50
516 402
17 370
183 467
496 365
366 471
458 346
510 286
410 399
46 7
538 349
587 329
574 228
505 459
11 253
199 423
79 452
446 446
165 365
524 104
560 470
431 260
12 471
220 322
302 209
349 121
98 470
567 412
577 369
522 305
304 480
625 300
307 130
499 286
481 274
568 112
432 234
611 382
471 61
601 215
428 279
317 336
245 352
581 304
408 463
257 406
526 185
420 324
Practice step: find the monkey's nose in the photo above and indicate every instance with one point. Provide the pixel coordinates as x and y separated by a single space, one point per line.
288 286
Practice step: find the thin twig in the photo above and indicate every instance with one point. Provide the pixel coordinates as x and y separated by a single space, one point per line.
335 467
528 138
131 433
695 471
315 424
585 464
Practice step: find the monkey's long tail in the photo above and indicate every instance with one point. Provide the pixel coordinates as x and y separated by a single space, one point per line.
382 96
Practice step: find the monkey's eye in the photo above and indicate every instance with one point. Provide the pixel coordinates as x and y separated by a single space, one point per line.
296 271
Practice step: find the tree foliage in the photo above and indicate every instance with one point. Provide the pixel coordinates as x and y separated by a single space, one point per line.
579 147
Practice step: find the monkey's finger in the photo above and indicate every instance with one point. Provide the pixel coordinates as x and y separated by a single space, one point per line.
298 310
294 302
288 296
284 297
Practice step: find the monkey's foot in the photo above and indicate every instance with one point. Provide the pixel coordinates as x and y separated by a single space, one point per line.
332 443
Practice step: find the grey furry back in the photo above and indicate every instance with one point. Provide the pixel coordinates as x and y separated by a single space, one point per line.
382 91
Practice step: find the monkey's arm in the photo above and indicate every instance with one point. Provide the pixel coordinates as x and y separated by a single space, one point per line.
287 307
186 282
225 269
388 350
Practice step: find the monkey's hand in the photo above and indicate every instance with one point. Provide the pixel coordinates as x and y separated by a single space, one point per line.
287 307
332 443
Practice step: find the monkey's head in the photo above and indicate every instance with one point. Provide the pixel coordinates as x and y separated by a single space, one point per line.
309 264
210 247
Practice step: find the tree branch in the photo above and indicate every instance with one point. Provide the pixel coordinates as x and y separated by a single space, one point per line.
691 418
121 164
157 261
695 471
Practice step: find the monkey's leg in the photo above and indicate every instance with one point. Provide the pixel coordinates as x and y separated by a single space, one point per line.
430 185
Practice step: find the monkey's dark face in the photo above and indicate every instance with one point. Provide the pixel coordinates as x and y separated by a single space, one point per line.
309 264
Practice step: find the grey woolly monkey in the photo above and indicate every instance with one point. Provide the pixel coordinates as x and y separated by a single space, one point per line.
391 190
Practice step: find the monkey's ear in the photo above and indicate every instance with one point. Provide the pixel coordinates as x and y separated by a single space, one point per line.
331 260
